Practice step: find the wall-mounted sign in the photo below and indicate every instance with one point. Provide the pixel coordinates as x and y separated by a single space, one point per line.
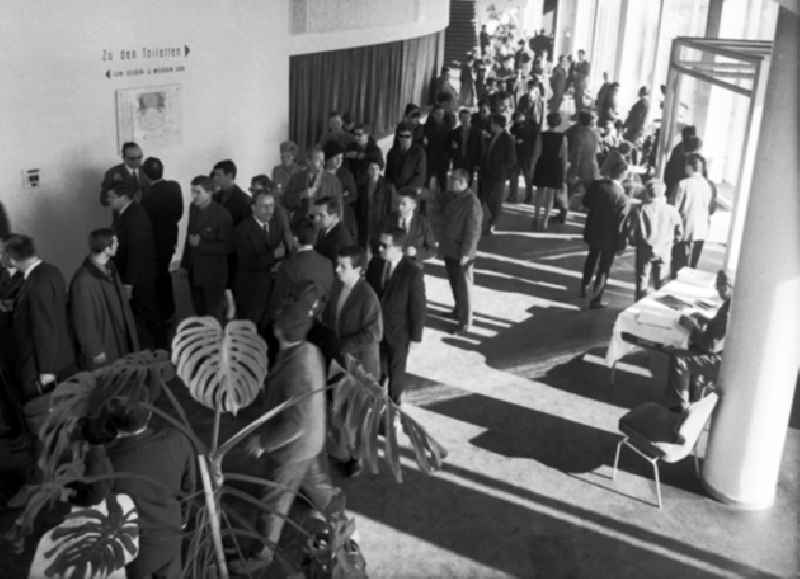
151 116
138 57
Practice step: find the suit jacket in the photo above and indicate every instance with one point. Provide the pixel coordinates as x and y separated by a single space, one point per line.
120 174
607 208
465 157
255 252
165 456
297 372
402 300
406 168
375 204
237 202
360 324
419 235
329 244
101 315
302 267
41 328
328 186
499 159
136 256
437 151
163 202
583 144
462 217
207 264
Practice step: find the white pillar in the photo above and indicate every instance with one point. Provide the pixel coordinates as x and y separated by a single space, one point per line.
762 350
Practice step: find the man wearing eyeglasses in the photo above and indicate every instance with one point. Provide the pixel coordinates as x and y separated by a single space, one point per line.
405 163
127 173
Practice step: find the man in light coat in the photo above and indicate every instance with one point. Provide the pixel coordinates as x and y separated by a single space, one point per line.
655 226
694 202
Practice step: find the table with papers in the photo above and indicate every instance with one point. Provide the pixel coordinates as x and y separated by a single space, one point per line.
654 319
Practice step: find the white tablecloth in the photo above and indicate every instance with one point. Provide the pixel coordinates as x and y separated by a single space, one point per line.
655 318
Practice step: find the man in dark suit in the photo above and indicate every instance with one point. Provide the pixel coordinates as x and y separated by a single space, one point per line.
305 265
261 242
11 280
334 159
353 312
419 243
136 264
496 166
228 193
163 202
44 345
400 286
405 162
333 235
128 172
209 240
465 144
164 459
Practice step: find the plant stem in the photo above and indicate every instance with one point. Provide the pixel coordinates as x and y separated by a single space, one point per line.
213 515
215 436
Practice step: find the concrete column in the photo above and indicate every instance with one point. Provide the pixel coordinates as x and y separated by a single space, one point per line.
762 350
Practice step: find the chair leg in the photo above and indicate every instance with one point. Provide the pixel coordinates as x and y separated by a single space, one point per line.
616 458
658 481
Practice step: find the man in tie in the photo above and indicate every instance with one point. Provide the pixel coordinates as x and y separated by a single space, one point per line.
333 235
127 172
419 242
261 242
400 285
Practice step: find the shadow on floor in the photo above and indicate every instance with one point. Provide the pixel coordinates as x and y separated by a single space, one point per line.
575 542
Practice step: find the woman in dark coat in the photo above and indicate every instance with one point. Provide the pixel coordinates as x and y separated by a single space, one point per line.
607 207
550 171
99 310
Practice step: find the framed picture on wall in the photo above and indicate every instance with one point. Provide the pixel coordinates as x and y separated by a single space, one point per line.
150 116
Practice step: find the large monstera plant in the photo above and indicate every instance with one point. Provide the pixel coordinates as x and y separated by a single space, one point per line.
224 369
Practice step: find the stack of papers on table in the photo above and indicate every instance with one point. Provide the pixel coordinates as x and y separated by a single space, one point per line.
697 277
657 317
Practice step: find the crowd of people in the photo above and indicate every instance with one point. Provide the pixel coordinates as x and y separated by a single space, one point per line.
326 254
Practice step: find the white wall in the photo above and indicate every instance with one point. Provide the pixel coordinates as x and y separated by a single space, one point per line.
58 108
349 23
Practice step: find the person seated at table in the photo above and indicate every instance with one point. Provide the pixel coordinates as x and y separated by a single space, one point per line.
706 340
654 227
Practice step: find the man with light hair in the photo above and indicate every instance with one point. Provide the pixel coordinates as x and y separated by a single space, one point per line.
655 226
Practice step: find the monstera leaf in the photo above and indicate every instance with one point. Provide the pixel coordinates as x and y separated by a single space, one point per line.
223 369
359 406
90 542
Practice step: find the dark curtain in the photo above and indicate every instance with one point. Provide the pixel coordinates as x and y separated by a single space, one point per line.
372 83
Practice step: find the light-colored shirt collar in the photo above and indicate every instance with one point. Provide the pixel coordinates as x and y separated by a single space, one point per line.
261 224
305 248
34 264
128 204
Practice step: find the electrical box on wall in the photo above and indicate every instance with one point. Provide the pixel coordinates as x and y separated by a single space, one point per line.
31 178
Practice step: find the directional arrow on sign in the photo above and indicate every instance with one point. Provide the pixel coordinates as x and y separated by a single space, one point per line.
186 50
108 74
